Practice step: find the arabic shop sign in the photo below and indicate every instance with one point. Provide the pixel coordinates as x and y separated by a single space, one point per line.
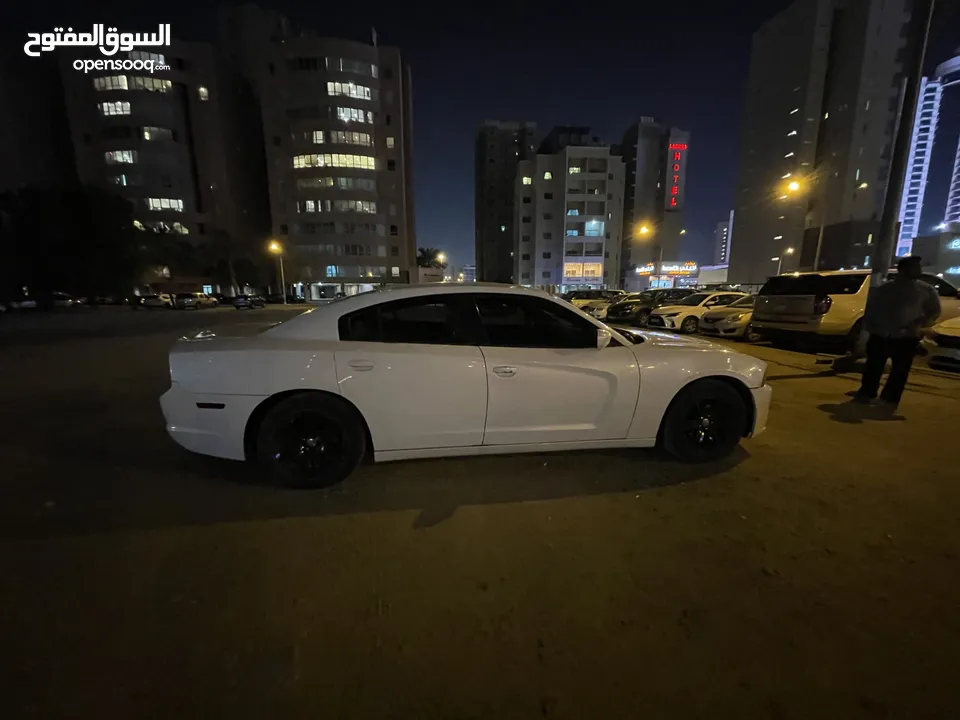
677 268
109 42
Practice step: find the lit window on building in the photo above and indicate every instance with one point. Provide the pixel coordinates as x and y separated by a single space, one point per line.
594 228
390 143
114 108
527 180
203 93
349 137
348 114
359 206
116 157
359 92
548 175
318 137
157 133
173 204
110 82
359 162
151 84
156 58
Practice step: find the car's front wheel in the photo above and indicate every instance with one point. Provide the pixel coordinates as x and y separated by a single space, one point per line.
689 325
311 440
705 422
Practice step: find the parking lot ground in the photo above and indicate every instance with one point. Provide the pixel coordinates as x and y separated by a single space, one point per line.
813 574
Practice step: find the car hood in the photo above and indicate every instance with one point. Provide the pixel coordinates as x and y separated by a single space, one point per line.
949 327
664 309
666 339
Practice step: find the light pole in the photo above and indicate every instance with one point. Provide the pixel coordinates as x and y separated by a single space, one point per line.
645 230
779 259
277 249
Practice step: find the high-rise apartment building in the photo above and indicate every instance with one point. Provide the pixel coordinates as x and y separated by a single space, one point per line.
179 142
918 163
655 157
500 146
722 238
568 214
337 125
34 133
948 74
822 100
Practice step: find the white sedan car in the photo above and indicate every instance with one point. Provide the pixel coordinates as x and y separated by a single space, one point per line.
449 370
685 314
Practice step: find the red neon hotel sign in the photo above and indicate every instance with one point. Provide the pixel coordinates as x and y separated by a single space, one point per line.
676 150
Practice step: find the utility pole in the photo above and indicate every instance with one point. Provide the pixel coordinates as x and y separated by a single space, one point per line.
880 260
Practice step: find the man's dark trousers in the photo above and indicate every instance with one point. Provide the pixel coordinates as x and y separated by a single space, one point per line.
900 351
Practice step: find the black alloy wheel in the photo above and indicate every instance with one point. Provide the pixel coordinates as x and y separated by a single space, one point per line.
311 440
705 422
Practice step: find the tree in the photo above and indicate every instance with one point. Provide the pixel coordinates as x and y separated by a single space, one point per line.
76 239
430 258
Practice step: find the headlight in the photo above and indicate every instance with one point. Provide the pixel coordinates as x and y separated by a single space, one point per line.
668 314
737 317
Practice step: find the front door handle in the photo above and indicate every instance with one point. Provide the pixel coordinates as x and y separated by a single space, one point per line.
361 365
505 371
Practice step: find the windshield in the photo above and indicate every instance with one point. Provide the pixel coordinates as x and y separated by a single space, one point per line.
748 301
694 299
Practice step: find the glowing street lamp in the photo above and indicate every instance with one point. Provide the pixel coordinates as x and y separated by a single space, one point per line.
277 249
779 259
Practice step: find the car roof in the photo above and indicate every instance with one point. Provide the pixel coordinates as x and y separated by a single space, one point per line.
322 322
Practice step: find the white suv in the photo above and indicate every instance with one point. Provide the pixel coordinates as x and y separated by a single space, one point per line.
826 304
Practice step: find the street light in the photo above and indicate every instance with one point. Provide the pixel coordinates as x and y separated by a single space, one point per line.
779 259
441 257
277 249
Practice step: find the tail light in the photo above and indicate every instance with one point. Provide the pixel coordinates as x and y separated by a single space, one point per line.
822 305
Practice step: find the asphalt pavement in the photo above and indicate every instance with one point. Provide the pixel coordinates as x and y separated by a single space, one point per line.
813 574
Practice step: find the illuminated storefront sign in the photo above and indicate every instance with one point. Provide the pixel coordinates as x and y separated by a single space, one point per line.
583 270
678 268
676 167
955 270
647 269
954 244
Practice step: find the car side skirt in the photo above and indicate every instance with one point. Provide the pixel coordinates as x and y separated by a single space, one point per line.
472 450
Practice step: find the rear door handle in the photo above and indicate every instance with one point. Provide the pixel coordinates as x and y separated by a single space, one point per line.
361 365
505 371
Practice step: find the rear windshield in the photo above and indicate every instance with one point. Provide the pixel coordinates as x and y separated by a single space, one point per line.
846 284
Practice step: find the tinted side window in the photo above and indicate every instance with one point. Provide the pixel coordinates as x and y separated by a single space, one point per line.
726 299
514 321
423 321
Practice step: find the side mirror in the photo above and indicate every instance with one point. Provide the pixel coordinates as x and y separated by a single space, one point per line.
604 337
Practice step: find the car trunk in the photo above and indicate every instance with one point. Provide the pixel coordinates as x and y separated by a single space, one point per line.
799 297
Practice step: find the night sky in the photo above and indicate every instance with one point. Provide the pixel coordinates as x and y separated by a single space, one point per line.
603 65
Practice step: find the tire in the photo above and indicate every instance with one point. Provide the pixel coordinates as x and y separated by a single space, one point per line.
640 319
690 324
853 339
311 440
684 432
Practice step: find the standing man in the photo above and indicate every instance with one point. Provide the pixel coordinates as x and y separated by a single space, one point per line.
896 314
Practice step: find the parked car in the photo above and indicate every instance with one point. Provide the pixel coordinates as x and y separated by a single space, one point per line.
579 298
194 301
249 302
942 345
635 308
159 300
452 370
827 305
685 314
731 321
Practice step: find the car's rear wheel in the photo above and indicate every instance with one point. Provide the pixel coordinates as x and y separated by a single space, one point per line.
690 324
311 440
704 422
641 317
